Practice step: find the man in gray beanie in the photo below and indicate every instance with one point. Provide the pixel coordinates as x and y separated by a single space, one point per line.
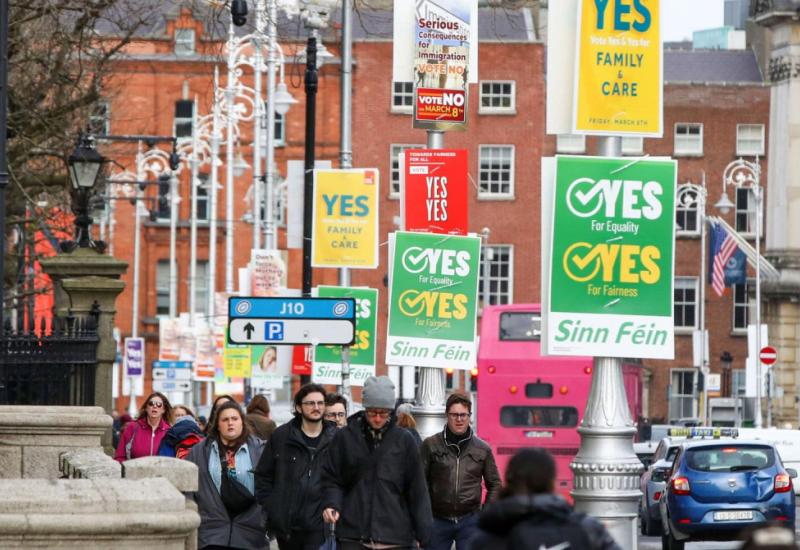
373 484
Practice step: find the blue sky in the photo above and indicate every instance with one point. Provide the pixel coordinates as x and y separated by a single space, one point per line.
682 17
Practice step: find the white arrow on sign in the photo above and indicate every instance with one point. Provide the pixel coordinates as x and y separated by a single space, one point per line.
172 374
292 331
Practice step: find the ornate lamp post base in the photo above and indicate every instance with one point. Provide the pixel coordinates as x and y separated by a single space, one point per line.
606 468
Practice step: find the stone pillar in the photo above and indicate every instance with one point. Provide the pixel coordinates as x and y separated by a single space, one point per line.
81 279
782 311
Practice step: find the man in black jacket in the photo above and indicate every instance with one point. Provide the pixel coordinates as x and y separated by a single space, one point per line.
530 516
288 482
373 484
456 462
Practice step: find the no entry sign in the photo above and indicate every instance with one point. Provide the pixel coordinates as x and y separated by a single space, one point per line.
768 355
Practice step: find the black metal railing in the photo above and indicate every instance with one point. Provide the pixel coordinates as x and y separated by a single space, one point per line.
55 367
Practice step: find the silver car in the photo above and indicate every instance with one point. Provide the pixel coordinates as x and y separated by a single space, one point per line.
653 483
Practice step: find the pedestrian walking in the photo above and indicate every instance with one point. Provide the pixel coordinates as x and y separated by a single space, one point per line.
406 420
530 516
230 516
457 464
258 420
181 437
336 409
288 476
218 401
143 436
373 482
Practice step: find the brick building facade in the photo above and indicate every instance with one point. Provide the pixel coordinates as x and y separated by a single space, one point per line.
709 96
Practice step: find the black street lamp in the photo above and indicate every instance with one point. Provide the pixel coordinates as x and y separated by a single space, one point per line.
727 360
85 167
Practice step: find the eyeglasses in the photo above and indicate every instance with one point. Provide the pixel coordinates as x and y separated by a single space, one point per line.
333 416
383 413
317 404
156 404
458 416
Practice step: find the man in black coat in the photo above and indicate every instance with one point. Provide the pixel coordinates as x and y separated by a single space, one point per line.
288 484
531 516
373 484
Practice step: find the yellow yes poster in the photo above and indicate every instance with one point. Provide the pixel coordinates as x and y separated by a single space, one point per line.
345 224
619 69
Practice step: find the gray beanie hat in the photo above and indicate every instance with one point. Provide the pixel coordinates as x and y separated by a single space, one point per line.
378 393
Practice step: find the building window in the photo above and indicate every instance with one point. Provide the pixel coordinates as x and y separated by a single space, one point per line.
570 143
200 286
394 153
184 118
632 145
496 283
162 287
402 97
745 211
280 128
497 97
685 302
738 383
688 139
202 198
741 306
163 208
496 171
681 400
184 41
687 216
750 140
99 119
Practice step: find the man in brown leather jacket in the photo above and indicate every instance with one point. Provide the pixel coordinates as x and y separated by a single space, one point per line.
456 461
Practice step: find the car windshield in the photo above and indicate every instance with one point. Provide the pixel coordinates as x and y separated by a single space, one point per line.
730 458
671 454
551 417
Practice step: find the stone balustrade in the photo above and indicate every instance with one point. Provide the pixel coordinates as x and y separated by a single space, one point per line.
89 464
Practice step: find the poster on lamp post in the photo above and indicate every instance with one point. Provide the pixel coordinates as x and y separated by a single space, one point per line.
327 368
433 300
134 357
268 273
433 190
345 221
610 264
619 69
443 33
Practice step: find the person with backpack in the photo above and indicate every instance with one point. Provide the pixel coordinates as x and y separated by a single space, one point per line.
230 517
182 436
143 437
531 516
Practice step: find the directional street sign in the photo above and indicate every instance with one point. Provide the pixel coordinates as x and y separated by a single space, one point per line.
285 321
168 386
172 364
172 374
768 355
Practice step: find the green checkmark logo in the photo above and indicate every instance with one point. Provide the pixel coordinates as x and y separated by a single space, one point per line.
415 259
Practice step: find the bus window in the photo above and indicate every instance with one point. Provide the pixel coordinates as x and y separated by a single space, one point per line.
539 390
520 326
532 417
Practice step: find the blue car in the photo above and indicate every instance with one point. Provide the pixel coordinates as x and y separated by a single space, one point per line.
719 489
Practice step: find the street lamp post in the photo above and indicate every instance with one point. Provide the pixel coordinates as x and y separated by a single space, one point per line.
85 167
727 360
3 160
742 174
689 196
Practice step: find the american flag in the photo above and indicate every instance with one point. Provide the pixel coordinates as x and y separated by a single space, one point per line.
723 246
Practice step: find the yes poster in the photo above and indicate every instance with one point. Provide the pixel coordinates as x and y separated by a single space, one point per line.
433 300
345 224
433 190
611 258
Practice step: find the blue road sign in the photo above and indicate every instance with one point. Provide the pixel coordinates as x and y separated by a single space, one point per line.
172 364
273 330
291 308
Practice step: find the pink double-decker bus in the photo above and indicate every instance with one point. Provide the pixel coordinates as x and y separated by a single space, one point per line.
527 400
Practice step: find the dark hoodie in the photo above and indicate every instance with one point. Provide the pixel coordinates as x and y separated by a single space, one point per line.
536 521
185 426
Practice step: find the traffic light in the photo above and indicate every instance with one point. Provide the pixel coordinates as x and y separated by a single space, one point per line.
239 12
473 380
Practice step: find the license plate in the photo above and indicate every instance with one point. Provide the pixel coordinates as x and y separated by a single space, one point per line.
738 515
538 434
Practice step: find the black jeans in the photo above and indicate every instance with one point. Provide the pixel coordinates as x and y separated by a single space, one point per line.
301 540
356 545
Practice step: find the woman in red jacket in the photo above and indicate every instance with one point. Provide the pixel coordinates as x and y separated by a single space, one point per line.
142 437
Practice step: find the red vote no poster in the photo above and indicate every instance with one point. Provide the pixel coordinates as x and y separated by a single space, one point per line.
434 190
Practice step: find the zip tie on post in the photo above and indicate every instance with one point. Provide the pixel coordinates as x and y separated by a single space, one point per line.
631 163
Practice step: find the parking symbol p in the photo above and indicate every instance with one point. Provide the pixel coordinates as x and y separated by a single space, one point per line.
273 330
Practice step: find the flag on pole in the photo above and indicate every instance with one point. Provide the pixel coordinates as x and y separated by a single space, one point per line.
722 248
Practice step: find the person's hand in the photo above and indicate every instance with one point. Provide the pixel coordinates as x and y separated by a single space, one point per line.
329 515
